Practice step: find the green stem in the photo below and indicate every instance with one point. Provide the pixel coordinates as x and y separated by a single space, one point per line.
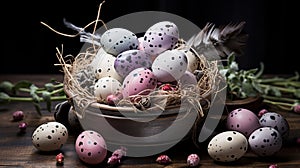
290 100
57 91
278 79
288 90
40 90
289 83
29 99
280 104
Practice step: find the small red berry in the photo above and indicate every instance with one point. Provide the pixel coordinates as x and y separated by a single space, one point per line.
163 159
167 87
18 115
273 166
23 126
113 99
262 112
193 160
60 159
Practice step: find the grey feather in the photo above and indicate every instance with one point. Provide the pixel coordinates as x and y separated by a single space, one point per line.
85 37
214 42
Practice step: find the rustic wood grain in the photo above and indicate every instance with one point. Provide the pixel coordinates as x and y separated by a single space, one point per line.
16 149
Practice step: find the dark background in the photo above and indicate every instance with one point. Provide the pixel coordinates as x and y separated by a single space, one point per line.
29 47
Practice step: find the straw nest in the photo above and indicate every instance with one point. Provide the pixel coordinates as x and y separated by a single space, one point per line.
79 79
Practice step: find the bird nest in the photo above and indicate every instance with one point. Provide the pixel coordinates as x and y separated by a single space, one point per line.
79 79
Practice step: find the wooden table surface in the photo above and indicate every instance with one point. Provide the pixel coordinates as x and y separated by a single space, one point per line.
16 149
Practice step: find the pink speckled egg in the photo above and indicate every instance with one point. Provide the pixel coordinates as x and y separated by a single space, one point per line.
242 120
137 81
91 147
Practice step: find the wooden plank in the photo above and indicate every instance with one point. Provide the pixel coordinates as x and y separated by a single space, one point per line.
16 149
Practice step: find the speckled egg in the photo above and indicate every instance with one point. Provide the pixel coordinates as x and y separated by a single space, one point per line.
242 120
103 66
49 136
227 146
265 141
277 121
91 147
169 66
130 60
106 86
187 79
160 37
116 40
138 80
140 47
193 60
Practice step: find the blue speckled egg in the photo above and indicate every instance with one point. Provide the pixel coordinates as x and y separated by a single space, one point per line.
130 60
276 121
116 40
265 141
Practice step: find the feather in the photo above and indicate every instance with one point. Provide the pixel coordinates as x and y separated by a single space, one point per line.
214 42
85 37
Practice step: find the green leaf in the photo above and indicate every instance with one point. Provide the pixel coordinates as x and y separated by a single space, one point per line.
275 92
49 87
4 98
231 58
22 84
6 87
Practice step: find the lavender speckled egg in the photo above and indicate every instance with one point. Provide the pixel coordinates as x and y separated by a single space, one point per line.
116 40
130 60
160 37
242 120
169 66
103 66
277 121
106 86
49 136
265 141
91 147
137 81
227 146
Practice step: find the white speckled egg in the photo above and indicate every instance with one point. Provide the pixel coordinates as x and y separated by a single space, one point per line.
138 80
103 66
91 147
116 40
192 59
106 86
130 60
227 146
49 136
265 141
160 37
277 121
169 66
